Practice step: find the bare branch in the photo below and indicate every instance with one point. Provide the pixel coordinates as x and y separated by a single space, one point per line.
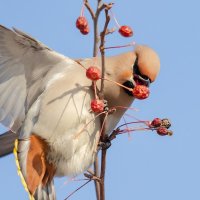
96 173
102 50
87 5
110 31
99 185
103 170
103 134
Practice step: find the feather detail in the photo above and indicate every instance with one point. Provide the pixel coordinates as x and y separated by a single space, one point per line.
38 170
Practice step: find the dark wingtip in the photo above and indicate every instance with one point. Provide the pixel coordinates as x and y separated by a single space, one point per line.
7 143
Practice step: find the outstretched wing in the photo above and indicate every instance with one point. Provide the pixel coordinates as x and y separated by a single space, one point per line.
24 62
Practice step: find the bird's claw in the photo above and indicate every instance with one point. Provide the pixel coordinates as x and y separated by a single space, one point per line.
105 144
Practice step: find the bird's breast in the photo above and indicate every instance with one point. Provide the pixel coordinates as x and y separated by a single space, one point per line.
69 127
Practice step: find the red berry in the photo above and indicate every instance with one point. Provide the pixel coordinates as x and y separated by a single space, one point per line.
97 106
140 92
81 22
93 73
156 122
85 30
126 31
162 131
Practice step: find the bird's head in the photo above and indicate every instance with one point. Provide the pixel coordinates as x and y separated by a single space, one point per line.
140 66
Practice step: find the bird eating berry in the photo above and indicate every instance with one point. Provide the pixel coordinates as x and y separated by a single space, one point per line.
62 105
141 92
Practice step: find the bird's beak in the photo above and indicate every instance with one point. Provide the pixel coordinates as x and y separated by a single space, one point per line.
137 79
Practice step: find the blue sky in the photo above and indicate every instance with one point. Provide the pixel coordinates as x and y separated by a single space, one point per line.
147 166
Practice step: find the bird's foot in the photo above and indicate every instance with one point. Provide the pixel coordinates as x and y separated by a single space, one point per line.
105 144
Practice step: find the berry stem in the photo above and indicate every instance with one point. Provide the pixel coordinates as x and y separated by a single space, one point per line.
131 130
94 83
77 61
82 10
118 84
116 22
129 123
121 46
125 107
147 123
81 131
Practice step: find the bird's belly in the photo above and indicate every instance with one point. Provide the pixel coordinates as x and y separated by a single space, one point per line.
71 130
75 149
78 160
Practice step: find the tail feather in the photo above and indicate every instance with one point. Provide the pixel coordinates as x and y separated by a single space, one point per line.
7 142
46 192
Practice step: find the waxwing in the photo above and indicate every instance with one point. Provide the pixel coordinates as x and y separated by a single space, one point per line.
45 103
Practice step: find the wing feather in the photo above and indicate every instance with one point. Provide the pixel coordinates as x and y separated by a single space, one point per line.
24 62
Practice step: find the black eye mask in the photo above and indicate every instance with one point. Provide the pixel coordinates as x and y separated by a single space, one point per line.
138 77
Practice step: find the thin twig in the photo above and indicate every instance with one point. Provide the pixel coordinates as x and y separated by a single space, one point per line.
103 160
87 5
95 17
100 189
103 134
77 189
102 50
96 173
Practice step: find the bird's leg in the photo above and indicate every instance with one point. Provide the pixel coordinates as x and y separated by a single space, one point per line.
104 144
106 108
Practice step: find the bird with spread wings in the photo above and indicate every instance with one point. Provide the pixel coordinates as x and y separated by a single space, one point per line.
45 103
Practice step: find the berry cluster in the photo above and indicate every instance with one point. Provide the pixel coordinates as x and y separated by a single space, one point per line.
83 26
161 126
94 73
